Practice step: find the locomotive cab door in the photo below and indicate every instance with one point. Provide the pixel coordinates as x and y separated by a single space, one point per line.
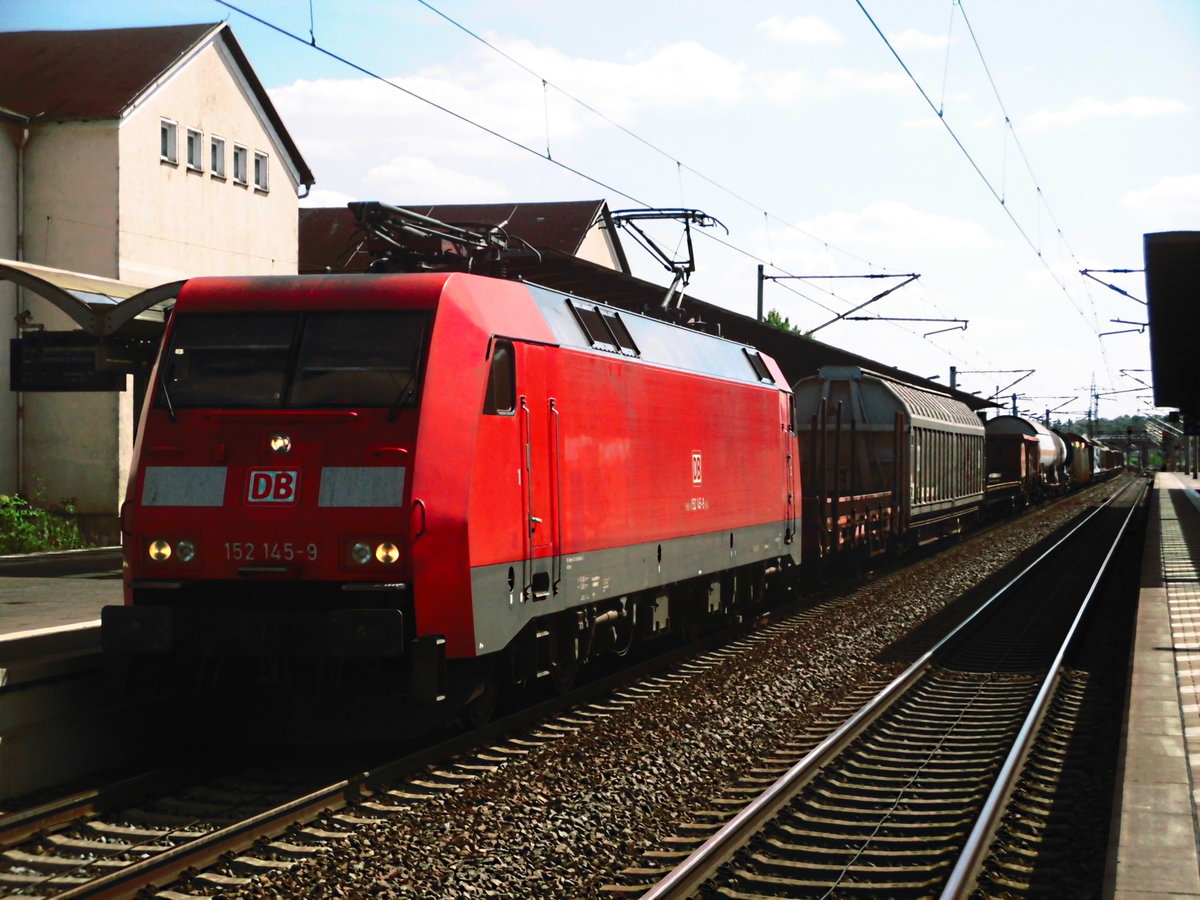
539 425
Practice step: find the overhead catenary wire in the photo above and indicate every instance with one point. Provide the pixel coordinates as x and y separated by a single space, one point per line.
1000 196
680 167
517 144
513 142
637 137
1009 130
974 165
767 216
1041 194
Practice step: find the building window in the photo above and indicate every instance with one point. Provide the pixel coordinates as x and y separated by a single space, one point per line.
195 150
260 170
168 138
240 162
216 156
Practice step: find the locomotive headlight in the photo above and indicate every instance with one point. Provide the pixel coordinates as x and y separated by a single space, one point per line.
186 551
387 553
361 553
160 551
280 443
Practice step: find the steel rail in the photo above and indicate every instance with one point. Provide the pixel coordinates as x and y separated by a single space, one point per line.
686 878
23 824
966 869
207 849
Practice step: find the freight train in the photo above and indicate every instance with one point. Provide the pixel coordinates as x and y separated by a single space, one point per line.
421 488
887 466
448 480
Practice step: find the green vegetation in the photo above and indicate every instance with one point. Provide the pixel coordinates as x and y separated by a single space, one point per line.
773 317
27 527
1104 426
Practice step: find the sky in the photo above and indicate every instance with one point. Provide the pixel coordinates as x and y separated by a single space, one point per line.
995 148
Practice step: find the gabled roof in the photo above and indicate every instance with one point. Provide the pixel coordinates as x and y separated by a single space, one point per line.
326 234
61 76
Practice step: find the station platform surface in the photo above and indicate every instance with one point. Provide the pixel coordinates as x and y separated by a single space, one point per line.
1155 841
57 590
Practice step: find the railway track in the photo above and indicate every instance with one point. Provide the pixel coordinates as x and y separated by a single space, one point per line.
148 831
908 796
220 833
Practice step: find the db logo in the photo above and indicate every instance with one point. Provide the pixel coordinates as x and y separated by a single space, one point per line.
697 477
272 485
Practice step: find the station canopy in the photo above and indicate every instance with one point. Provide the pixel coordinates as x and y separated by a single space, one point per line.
99 306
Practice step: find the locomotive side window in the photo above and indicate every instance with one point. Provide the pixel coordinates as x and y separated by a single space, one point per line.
296 360
501 396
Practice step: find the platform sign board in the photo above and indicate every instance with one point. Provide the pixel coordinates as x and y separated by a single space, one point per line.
59 361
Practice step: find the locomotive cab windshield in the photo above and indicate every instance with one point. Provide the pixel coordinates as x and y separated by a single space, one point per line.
294 360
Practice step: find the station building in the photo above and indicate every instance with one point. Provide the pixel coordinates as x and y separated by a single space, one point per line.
129 158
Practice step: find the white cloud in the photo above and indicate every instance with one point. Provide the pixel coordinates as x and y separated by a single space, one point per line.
800 30
789 87
1087 108
892 225
365 137
319 198
684 74
984 122
921 124
492 92
1174 201
913 39
416 179
844 80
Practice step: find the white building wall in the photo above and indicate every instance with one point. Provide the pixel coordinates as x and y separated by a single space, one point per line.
201 223
99 199
597 247
69 440
71 197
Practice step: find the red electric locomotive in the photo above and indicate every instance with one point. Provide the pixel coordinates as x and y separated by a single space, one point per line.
442 482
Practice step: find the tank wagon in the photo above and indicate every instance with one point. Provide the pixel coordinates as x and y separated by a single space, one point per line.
1052 474
887 465
452 480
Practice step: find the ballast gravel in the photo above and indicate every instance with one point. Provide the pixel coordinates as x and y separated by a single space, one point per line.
564 819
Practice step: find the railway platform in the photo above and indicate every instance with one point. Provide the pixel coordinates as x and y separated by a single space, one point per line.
56 590
1155 842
